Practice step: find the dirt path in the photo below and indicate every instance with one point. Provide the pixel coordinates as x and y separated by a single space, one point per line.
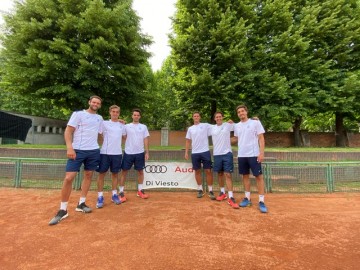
174 230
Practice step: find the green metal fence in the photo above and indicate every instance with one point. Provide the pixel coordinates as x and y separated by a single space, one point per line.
294 177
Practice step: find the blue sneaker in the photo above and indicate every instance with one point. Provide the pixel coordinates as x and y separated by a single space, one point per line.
262 207
115 199
245 202
100 202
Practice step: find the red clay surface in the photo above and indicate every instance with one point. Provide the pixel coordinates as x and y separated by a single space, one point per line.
174 230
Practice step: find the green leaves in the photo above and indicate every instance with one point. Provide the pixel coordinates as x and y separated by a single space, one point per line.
69 50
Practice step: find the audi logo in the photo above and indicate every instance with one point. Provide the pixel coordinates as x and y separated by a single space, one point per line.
155 169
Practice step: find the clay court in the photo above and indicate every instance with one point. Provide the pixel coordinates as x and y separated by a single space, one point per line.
175 230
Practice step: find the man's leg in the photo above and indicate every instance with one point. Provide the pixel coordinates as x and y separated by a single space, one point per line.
121 184
100 182
85 186
261 189
141 192
210 181
100 186
247 184
114 180
209 177
198 179
67 186
222 194
65 195
229 184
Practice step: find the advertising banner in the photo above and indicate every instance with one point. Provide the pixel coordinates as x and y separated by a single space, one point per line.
169 175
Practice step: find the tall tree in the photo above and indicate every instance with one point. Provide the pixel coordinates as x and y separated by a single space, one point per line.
336 39
209 53
68 50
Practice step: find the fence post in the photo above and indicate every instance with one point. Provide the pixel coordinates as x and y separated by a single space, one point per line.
267 177
18 172
329 178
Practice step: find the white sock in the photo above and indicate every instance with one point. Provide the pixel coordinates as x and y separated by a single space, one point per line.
210 188
230 194
114 192
261 198
100 194
140 187
200 187
222 190
247 195
63 205
82 200
121 188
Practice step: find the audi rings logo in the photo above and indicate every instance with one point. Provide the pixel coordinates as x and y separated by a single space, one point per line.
155 169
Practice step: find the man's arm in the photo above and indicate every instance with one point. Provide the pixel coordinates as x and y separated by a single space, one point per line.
100 139
68 136
187 147
146 146
262 147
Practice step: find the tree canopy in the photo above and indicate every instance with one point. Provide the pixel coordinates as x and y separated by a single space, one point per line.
64 51
286 59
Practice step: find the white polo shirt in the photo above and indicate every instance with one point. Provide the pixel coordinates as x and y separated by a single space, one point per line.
87 127
135 135
221 138
112 132
247 133
198 134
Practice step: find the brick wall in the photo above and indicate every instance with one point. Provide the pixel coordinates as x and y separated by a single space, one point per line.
272 139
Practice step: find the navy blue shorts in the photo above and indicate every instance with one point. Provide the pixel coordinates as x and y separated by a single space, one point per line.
110 161
90 159
204 158
224 163
247 163
138 160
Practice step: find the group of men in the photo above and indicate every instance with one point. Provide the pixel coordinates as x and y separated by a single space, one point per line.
249 134
85 129
83 132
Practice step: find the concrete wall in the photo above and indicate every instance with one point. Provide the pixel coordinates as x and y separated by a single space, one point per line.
44 130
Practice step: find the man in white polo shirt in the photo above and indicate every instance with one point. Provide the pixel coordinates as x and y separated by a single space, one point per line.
81 137
110 154
198 137
223 157
136 152
251 146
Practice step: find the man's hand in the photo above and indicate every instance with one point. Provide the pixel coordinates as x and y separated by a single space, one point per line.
71 153
260 157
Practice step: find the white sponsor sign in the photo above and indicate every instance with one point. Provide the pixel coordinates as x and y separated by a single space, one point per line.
169 175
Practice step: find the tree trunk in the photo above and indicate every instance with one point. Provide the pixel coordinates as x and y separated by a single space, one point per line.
296 131
340 132
213 111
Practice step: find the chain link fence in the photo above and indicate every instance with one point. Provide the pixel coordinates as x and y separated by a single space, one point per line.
291 177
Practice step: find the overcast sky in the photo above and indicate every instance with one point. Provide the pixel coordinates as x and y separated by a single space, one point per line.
155 22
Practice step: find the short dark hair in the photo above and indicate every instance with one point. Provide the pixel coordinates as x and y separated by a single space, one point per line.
218 112
136 110
241 106
99 98
114 107
197 113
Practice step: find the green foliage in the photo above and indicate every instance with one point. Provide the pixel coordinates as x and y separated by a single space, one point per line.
209 53
65 51
287 60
